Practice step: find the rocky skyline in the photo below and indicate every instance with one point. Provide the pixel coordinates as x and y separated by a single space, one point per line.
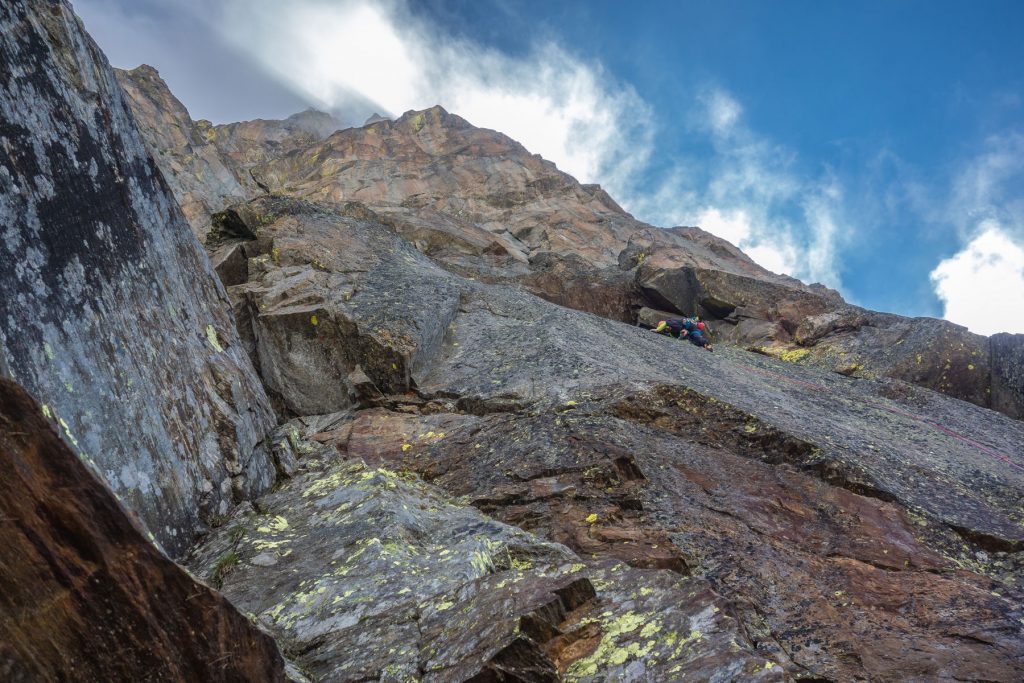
283 400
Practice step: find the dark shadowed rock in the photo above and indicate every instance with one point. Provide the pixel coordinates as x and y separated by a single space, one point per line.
84 596
110 315
1008 374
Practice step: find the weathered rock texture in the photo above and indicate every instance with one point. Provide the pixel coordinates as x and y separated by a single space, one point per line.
481 205
111 315
84 596
488 472
854 528
376 576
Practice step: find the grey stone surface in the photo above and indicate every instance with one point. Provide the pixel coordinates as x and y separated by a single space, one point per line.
111 315
1008 373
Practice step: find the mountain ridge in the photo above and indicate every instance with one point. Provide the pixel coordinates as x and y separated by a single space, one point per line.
482 205
473 463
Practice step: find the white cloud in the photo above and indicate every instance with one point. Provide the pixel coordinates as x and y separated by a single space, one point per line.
555 104
723 111
982 286
752 193
988 186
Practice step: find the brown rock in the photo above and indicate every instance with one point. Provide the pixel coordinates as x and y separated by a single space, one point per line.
84 596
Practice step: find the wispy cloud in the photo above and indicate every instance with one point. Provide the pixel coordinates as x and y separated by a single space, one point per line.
752 192
556 104
342 53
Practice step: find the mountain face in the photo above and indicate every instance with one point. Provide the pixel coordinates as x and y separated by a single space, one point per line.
416 434
481 205
111 316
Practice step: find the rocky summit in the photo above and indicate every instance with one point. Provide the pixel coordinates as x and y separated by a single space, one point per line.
312 403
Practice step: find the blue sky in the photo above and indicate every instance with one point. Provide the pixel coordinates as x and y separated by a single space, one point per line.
877 147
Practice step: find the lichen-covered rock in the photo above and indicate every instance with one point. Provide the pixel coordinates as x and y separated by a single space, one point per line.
828 581
590 433
84 595
366 574
110 314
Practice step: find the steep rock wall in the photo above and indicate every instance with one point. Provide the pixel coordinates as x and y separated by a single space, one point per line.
78 578
111 315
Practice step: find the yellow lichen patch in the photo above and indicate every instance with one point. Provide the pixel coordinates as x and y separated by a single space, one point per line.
970 366
592 518
275 256
324 485
608 652
793 355
274 526
67 431
48 350
406 446
313 320
46 411
445 605
211 336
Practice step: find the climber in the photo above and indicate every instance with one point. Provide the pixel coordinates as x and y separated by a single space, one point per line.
686 328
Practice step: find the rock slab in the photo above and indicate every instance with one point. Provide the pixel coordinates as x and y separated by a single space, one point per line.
84 596
111 315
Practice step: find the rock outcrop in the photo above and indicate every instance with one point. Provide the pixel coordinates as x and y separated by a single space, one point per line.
486 471
891 511
481 205
111 315
84 595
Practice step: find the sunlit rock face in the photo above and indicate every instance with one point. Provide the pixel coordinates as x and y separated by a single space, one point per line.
84 595
111 315
481 205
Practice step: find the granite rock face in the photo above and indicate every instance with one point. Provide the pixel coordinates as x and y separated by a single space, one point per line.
854 528
378 576
480 205
84 595
111 315
486 470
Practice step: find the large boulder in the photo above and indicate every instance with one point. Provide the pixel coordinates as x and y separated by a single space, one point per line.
84 595
111 315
